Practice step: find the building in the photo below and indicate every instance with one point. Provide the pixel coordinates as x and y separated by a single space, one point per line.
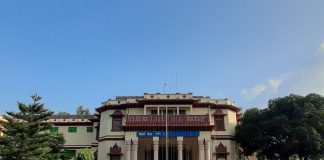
79 131
134 128
199 128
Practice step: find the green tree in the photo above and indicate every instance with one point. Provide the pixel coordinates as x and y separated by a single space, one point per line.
27 136
290 126
85 154
67 155
82 111
63 113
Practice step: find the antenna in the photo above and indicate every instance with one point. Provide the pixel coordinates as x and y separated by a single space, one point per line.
164 86
176 82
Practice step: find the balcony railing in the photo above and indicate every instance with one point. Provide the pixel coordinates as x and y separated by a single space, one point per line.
173 120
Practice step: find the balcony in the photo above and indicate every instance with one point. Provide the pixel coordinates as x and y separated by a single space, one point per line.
173 120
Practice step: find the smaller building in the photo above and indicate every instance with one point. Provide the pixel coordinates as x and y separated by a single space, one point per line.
79 131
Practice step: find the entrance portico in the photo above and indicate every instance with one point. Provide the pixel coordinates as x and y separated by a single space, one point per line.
187 146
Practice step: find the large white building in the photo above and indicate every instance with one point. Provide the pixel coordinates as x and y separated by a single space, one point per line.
134 128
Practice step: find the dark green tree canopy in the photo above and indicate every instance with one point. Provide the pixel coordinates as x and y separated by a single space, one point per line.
61 113
27 136
83 111
292 125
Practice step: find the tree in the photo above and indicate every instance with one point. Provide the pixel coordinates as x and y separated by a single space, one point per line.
292 125
61 113
83 111
67 155
85 154
27 136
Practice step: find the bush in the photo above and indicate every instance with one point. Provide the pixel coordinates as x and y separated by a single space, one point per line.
85 154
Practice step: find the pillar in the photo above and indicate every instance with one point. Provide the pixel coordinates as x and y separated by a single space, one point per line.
156 149
207 150
134 149
201 151
180 147
128 150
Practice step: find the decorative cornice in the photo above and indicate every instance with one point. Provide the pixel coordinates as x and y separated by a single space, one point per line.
193 102
216 106
111 138
72 123
173 128
167 101
222 137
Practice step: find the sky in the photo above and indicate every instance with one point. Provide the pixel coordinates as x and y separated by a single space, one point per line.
76 52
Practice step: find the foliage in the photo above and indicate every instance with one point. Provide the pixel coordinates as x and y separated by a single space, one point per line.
63 113
85 154
27 137
67 155
82 111
292 125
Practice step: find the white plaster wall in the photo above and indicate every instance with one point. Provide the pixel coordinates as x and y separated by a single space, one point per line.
94 134
229 120
81 137
106 124
199 111
105 121
135 111
130 135
103 149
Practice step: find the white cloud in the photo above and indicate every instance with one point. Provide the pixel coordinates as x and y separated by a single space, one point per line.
270 85
320 49
274 84
310 79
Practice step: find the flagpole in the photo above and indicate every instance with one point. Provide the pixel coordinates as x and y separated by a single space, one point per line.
166 129
166 133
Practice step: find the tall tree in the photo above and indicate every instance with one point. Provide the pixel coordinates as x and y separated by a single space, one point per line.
82 111
27 136
292 125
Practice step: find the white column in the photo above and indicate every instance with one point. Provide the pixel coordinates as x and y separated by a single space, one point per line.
134 149
180 147
128 150
207 150
201 150
156 149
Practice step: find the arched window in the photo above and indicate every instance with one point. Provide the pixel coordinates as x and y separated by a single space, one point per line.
115 152
219 120
117 118
221 152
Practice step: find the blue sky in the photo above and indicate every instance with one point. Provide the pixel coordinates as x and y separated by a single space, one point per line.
83 52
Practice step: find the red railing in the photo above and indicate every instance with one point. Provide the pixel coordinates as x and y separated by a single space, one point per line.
173 120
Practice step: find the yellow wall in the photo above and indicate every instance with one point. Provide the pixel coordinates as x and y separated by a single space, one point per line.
81 137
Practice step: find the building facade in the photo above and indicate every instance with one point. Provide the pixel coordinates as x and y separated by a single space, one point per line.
155 127
79 131
198 128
